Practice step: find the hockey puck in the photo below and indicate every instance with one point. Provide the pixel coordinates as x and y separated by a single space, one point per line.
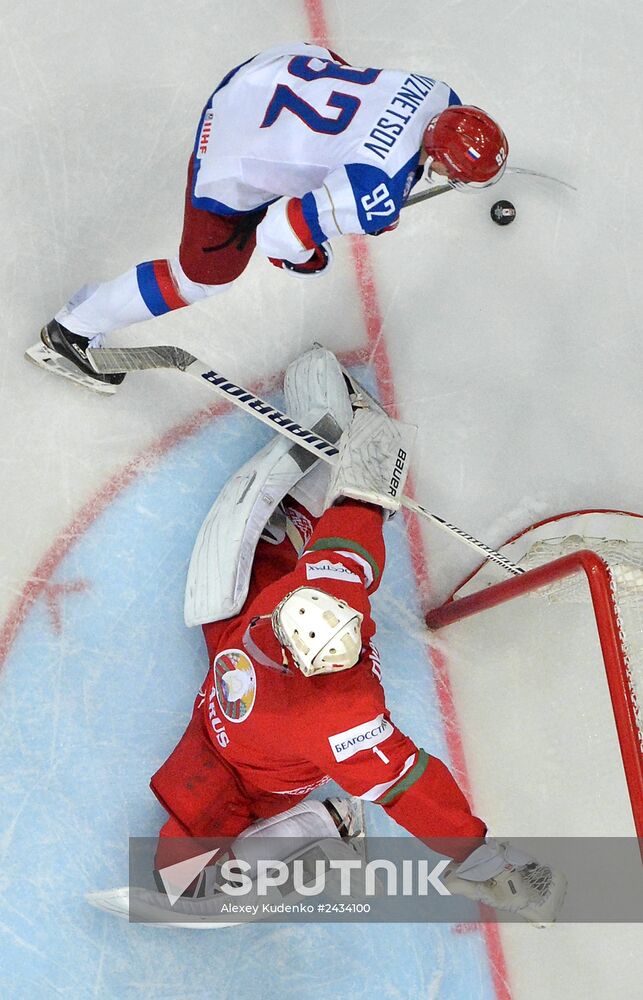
503 212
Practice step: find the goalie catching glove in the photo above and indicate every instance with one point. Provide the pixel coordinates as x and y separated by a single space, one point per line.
373 460
505 877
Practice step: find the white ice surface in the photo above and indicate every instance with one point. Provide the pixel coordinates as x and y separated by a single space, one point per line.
515 350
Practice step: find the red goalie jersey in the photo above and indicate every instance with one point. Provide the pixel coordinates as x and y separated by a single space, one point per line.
263 735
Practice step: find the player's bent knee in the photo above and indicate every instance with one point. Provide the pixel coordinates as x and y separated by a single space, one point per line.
189 280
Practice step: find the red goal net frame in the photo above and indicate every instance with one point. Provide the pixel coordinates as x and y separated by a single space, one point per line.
610 636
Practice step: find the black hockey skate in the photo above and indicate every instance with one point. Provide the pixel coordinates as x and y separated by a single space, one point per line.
64 353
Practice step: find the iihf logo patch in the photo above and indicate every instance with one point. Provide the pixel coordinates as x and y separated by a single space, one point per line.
473 153
235 683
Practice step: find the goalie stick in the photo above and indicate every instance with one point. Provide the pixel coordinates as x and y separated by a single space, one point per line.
113 360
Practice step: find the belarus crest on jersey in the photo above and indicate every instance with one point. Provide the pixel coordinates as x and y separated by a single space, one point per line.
235 683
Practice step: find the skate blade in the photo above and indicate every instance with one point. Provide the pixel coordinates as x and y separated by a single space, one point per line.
117 903
114 901
52 362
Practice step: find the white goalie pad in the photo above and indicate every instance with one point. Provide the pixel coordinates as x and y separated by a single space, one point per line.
210 913
221 562
300 837
314 385
317 396
374 458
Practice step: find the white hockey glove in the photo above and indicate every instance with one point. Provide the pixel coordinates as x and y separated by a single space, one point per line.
373 460
507 878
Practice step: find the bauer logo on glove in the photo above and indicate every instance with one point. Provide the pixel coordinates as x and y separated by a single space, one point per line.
399 472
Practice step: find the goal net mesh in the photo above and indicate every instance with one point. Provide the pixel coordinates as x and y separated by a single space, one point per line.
624 560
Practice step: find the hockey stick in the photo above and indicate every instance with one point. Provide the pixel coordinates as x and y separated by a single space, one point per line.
545 177
433 192
114 360
414 199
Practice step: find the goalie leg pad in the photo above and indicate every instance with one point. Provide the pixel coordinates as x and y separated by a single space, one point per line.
305 832
221 563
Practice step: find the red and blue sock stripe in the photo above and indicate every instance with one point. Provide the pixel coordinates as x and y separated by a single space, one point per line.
158 288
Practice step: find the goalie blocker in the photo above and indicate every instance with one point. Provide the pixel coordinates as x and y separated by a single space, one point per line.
373 461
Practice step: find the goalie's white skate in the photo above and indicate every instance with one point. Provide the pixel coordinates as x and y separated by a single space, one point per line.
506 878
151 907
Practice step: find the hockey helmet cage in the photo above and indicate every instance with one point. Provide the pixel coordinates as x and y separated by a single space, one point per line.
469 144
321 632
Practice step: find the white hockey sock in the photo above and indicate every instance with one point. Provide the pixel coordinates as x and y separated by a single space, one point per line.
147 290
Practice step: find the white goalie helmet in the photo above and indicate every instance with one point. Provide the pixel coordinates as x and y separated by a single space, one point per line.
322 633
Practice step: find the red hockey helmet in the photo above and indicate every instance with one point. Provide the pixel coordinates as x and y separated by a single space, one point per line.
469 144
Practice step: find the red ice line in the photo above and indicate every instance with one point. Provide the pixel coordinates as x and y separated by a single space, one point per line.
54 592
379 356
38 584
380 360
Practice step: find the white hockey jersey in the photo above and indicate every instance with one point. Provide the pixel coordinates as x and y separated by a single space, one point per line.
296 122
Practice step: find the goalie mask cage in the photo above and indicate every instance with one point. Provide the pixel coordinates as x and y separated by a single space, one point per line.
583 582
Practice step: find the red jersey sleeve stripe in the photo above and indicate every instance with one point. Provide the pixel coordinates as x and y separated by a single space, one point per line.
298 223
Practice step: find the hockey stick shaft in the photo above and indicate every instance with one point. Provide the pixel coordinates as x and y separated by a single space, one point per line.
545 177
128 359
415 199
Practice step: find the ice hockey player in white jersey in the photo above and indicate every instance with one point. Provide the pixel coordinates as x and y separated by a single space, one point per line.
294 148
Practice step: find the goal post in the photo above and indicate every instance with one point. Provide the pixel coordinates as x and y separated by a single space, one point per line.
593 558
